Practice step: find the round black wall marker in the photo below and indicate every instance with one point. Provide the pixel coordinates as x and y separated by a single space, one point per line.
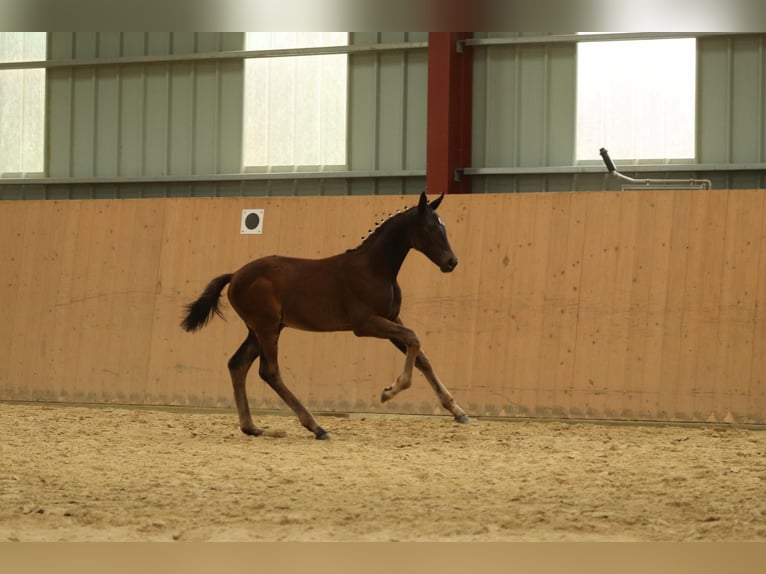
252 221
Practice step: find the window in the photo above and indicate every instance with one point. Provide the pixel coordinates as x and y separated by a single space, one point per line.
22 105
637 99
295 107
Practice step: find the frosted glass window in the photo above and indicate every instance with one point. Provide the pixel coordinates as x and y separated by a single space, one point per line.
22 105
295 107
637 99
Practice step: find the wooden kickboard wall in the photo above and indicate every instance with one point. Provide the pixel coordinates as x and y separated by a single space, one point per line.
645 305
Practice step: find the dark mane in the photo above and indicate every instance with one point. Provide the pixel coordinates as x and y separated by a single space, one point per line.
381 227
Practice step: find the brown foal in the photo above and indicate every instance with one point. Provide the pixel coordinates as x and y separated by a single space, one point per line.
352 291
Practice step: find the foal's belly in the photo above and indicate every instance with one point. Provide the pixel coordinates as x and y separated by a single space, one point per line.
317 320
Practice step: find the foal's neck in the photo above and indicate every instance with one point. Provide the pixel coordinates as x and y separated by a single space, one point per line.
388 249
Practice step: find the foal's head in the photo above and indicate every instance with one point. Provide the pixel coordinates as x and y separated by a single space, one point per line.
429 235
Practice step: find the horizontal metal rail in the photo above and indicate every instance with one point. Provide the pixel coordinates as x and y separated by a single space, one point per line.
348 49
217 56
632 168
373 174
579 38
212 178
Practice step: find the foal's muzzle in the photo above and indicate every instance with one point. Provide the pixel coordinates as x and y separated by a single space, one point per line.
449 265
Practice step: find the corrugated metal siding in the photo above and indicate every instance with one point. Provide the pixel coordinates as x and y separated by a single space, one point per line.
386 130
731 109
524 105
155 119
387 112
524 112
184 118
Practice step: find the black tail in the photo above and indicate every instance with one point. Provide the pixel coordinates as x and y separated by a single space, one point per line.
200 312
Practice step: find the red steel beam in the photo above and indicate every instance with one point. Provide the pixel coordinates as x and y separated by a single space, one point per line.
450 90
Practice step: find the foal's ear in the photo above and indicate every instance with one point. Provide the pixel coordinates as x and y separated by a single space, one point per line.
435 203
423 202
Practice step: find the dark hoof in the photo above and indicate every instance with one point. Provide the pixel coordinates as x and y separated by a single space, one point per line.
323 436
252 431
463 419
384 396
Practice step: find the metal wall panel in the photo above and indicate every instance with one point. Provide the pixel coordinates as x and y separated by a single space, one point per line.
731 105
525 115
524 105
184 118
387 112
151 119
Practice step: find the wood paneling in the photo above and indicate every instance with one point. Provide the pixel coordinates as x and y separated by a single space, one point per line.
634 305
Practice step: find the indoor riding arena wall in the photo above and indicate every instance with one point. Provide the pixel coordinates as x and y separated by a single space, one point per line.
646 305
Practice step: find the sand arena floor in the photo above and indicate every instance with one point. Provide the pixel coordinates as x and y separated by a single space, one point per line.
117 474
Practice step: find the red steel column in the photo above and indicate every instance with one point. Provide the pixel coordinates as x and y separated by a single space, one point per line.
450 90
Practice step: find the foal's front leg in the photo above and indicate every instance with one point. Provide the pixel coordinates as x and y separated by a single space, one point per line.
445 397
376 326
407 342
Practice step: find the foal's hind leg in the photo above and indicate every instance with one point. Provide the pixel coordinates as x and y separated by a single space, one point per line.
239 365
269 371
423 365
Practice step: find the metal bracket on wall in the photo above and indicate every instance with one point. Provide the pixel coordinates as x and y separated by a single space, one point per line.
633 184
